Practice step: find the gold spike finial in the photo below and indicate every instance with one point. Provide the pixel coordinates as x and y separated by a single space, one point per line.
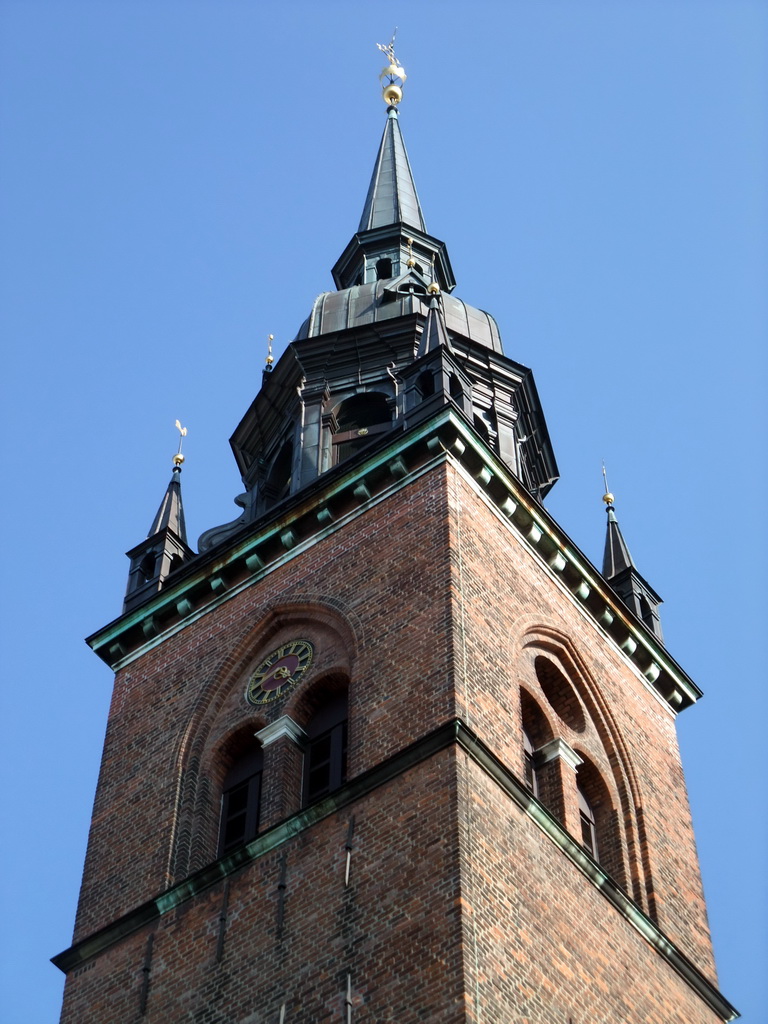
607 497
434 287
178 458
393 75
270 358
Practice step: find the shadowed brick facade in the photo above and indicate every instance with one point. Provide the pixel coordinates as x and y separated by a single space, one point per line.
435 883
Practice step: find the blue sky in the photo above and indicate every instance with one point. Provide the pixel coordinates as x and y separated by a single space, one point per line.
177 180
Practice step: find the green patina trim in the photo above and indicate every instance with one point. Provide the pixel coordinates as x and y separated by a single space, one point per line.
452 732
447 436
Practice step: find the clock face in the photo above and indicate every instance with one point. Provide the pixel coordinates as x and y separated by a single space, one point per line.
279 672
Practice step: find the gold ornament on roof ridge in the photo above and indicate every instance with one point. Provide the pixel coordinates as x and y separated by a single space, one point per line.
270 358
393 75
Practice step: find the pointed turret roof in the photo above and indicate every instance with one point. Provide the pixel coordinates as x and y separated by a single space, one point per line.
616 557
170 514
435 334
392 197
165 547
621 572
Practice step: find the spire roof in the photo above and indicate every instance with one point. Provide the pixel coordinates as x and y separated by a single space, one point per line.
392 197
170 514
620 571
616 557
435 334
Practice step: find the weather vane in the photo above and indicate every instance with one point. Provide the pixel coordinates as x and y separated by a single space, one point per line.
393 75
178 458
389 49
607 497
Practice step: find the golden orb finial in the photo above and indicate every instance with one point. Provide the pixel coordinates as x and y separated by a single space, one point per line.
393 75
270 358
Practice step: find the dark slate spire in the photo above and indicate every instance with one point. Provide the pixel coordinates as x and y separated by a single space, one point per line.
170 515
392 197
392 237
619 570
616 557
435 334
165 548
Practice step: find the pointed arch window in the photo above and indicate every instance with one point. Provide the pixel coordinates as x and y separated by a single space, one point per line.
325 758
241 801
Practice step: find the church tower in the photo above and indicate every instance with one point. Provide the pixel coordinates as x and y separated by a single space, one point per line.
388 747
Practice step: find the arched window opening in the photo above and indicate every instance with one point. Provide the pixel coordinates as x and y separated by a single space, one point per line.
599 822
531 778
411 287
384 269
358 419
457 392
560 693
537 732
176 563
588 828
278 483
241 800
482 428
147 567
426 384
535 724
325 759
645 612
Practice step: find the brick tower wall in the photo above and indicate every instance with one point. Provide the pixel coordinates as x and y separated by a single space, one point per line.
511 609
431 607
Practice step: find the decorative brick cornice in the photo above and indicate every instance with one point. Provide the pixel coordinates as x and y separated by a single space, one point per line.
452 732
348 491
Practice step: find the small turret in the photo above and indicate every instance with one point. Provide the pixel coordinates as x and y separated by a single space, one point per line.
619 570
165 548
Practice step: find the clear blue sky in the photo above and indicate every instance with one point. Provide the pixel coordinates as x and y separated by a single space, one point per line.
177 180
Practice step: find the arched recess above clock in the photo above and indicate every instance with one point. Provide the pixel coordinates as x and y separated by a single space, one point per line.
222 709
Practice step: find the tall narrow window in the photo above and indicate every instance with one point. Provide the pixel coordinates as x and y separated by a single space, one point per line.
241 802
325 759
588 831
530 768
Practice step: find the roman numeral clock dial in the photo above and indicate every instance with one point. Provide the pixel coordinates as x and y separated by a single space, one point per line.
279 672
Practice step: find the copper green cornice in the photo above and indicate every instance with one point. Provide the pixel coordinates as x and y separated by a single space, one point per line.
343 494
